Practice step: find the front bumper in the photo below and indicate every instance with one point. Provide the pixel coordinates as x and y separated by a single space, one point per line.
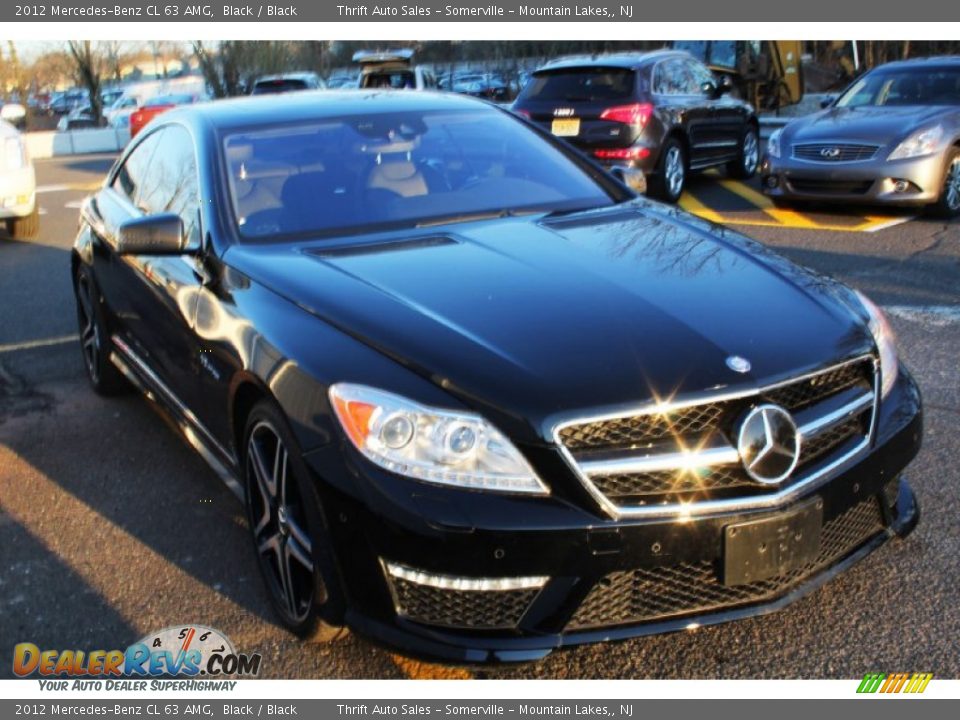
17 193
605 579
910 182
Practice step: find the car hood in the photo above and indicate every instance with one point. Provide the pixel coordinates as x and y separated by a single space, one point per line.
536 321
874 125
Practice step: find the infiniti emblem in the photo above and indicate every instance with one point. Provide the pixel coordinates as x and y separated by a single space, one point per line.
769 444
738 364
831 153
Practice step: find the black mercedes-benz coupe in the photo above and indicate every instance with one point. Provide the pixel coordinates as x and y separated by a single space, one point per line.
479 400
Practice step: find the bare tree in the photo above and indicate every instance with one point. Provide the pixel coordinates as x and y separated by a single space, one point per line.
90 63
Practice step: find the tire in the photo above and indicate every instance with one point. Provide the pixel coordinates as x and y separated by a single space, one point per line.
670 178
745 165
25 228
104 377
948 204
289 535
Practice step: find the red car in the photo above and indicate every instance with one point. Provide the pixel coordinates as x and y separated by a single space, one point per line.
155 106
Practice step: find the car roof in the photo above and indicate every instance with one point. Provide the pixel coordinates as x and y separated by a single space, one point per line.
312 105
927 63
305 75
629 61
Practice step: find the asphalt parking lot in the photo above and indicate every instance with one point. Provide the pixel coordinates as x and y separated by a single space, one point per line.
112 527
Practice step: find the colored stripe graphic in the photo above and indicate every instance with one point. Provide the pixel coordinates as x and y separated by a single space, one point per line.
913 683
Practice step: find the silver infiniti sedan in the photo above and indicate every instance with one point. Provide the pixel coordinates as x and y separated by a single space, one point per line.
892 137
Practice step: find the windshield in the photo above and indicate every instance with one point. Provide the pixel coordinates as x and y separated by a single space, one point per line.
590 84
401 169
273 87
397 80
913 86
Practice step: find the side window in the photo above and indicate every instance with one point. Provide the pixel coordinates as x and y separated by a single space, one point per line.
673 78
131 175
172 183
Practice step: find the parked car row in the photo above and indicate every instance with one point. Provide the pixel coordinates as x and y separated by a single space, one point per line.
893 137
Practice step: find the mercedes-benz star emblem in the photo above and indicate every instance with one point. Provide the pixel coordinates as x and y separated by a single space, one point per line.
738 364
769 444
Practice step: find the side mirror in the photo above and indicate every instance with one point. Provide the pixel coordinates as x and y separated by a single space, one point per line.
710 89
631 177
161 234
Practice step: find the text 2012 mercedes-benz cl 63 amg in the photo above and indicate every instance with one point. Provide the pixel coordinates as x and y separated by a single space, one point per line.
481 400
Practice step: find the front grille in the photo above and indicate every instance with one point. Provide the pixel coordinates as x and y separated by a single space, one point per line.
472 609
823 443
642 460
638 430
831 187
672 485
831 153
799 395
645 595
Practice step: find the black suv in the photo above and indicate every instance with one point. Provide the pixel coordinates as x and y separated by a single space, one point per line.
662 112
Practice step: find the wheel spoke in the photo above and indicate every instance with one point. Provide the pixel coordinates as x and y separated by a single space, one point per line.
280 472
264 520
271 544
85 302
286 580
89 337
267 482
300 539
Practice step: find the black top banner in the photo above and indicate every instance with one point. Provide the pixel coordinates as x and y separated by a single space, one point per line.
638 11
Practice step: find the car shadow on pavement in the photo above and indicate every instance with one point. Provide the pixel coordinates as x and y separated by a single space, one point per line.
159 527
44 602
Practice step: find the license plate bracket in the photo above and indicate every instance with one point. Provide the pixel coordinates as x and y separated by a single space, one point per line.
760 549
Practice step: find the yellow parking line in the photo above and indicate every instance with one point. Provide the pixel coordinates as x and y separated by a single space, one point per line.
779 217
416 670
782 215
689 203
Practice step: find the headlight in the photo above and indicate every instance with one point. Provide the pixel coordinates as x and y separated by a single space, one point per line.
773 143
922 142
886 343
15 153
430 444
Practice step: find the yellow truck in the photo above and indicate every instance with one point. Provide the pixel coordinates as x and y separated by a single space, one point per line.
766 73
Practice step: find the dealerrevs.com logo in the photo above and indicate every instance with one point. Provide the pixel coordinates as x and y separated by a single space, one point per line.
189 651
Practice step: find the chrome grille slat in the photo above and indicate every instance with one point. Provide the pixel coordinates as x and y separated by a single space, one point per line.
661 475
837 152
